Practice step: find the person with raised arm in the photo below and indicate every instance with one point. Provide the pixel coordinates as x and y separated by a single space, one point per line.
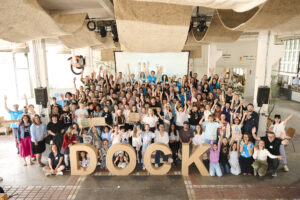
279 129
15 116
272 144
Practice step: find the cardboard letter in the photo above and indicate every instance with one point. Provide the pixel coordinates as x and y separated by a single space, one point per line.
74 158
165 168
187 160
110 163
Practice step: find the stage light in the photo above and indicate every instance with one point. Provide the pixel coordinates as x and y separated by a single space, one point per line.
114 32
91 25
202 27
102 31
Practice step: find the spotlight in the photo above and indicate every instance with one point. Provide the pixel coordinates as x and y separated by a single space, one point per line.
102 31
114 32
202 27
91 25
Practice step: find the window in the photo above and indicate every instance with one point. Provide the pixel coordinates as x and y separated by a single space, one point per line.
289 63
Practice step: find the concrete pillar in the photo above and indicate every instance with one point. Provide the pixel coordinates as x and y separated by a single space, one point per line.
268 53
213 56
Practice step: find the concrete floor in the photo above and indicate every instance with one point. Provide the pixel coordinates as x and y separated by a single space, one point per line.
154 187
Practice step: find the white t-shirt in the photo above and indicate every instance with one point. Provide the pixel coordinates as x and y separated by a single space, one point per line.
162 138
198 139
80 112
150 120
278 129
115 138
174 137
263 154
181 117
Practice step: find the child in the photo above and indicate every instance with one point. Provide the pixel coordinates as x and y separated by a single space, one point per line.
103 152
214 166
84 162
106 134
236 125
69 139
137 142
260 155
86 138
116 136
234 158
121 160
224 156
174 142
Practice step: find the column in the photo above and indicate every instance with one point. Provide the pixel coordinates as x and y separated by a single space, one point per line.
213 56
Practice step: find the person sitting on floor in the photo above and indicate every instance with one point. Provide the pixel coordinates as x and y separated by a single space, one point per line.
55 162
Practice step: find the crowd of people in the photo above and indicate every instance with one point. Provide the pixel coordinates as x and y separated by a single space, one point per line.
170 110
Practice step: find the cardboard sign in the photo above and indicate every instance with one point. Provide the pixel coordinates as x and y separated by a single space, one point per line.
134 117
90 122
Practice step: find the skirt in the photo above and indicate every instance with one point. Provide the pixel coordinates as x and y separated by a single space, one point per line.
65 151
40 148
25 147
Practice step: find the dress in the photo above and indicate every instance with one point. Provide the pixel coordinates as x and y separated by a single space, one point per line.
234 163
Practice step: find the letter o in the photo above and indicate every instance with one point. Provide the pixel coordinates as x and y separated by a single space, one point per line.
110 163
165 168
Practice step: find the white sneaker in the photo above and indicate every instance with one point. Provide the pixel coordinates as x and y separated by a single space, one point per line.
48 174
59 173
156 165
285 168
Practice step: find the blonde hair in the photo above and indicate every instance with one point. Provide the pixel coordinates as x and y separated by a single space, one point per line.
69 131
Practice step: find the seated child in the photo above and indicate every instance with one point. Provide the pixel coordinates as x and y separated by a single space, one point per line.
84 161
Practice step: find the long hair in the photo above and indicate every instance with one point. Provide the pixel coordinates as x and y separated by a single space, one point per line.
22 120
170 129
69 131
36 115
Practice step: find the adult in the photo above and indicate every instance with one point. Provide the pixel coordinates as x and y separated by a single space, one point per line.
186 135
251 119
38 132
55 162
15 116
55 129
24 139
272 144
161 136
279 129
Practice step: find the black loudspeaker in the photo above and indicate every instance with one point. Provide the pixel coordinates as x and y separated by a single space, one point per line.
263 96
41 96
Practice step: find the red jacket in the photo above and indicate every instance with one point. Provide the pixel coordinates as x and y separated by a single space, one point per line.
68 140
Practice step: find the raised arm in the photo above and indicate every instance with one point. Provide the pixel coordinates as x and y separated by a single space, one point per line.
26 100
5 104
289 117
254 134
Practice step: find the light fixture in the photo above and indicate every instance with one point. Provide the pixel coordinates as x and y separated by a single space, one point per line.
91 25
202 27
102 31
114 32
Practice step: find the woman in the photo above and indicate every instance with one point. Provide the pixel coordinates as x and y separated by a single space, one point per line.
151 120
69 139
174 142
55 128
37 133
24 139
246 150
56 164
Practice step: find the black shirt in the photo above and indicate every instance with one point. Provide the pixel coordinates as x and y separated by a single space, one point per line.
108 117
55 159
273 147
185 135
224 154
26 131
194 118
228 98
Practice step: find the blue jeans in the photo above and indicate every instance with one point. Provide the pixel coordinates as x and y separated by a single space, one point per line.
214 168
157 157
225 168
282 153
193 127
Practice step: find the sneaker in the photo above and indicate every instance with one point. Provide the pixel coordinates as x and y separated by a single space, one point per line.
274 174
285 168
48 174
156 165
59 173
41 165
144 168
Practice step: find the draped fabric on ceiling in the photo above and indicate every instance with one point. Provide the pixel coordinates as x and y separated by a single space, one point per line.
151 27
24 20
216 32
84 38
236 5
270 15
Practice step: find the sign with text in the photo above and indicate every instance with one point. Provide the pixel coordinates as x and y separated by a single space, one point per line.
90 122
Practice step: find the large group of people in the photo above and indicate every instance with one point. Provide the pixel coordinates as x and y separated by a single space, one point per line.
170 110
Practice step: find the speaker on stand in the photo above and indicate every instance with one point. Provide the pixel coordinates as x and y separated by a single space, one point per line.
263 93
41 98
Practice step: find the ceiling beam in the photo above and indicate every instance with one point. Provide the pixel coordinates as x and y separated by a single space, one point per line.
108 7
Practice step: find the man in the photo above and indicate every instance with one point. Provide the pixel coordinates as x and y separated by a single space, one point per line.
151 77
229 95
15 116
186 135
251 119
272 144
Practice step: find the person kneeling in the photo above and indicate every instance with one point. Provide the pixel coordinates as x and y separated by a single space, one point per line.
55 162
260 155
